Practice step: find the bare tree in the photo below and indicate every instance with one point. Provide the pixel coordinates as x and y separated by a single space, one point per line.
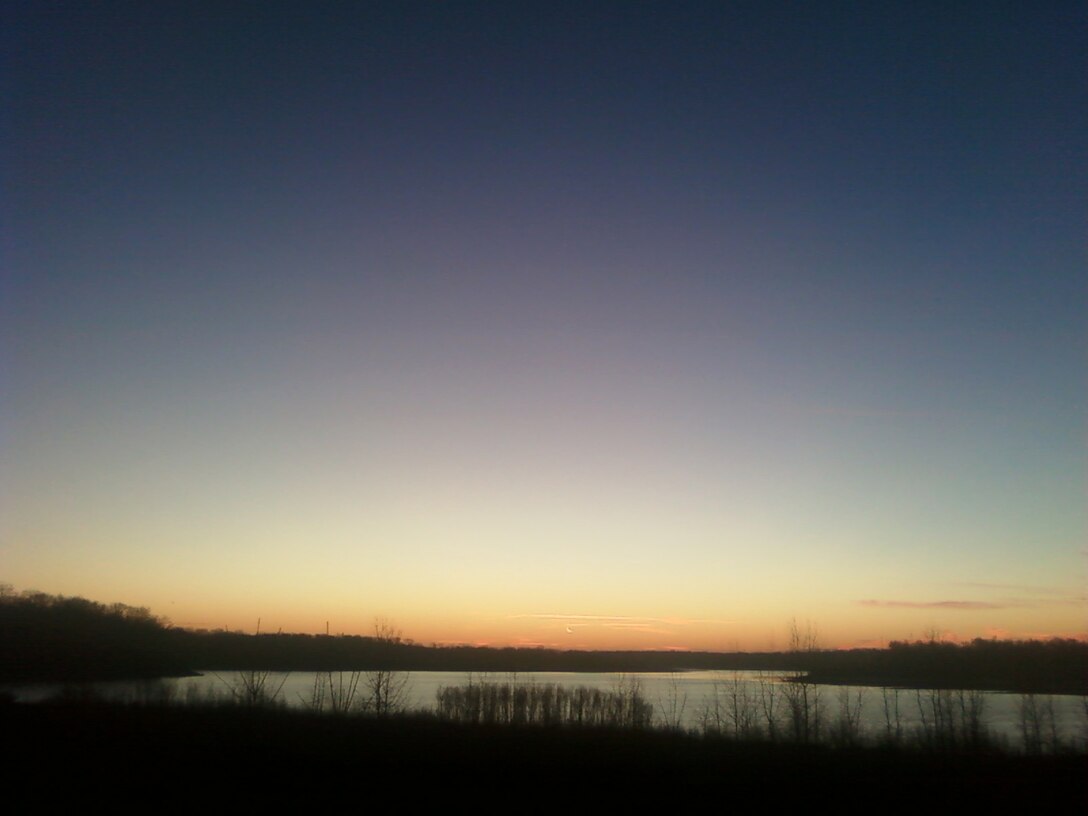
1084 722
847 729
316 701
624 705
712 714
971 705
802 695
730 709
937 718
742 709
1038 724
335 692
893 721
388 687
673 705
253 687
769 704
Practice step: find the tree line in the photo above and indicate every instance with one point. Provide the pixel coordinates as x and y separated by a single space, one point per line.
54 638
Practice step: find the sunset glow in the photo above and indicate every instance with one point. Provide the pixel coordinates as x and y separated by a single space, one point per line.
591 327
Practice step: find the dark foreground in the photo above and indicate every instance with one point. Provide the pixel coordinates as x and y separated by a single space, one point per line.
155 756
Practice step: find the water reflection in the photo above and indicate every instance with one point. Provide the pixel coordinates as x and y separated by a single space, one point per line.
745 704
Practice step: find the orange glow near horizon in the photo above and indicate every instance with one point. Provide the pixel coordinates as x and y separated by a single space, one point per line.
587 632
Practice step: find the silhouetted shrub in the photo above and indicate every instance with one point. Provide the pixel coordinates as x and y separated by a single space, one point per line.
545 704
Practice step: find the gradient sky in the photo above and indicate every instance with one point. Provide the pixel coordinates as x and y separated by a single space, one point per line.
634 325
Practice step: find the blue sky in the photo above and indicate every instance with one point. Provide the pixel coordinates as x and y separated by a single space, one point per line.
497 321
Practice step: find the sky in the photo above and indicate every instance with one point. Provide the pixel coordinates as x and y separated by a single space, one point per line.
586 325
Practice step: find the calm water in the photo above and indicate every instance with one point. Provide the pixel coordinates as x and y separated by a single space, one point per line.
686 697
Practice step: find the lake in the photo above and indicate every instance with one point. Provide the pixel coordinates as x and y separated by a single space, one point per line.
691 700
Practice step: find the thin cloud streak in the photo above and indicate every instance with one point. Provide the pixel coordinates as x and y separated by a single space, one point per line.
616 621
965 605
596 618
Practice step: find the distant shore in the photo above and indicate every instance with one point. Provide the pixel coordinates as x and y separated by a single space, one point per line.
54 639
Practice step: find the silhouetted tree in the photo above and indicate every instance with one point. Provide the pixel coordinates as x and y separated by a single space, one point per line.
803 695
387 687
